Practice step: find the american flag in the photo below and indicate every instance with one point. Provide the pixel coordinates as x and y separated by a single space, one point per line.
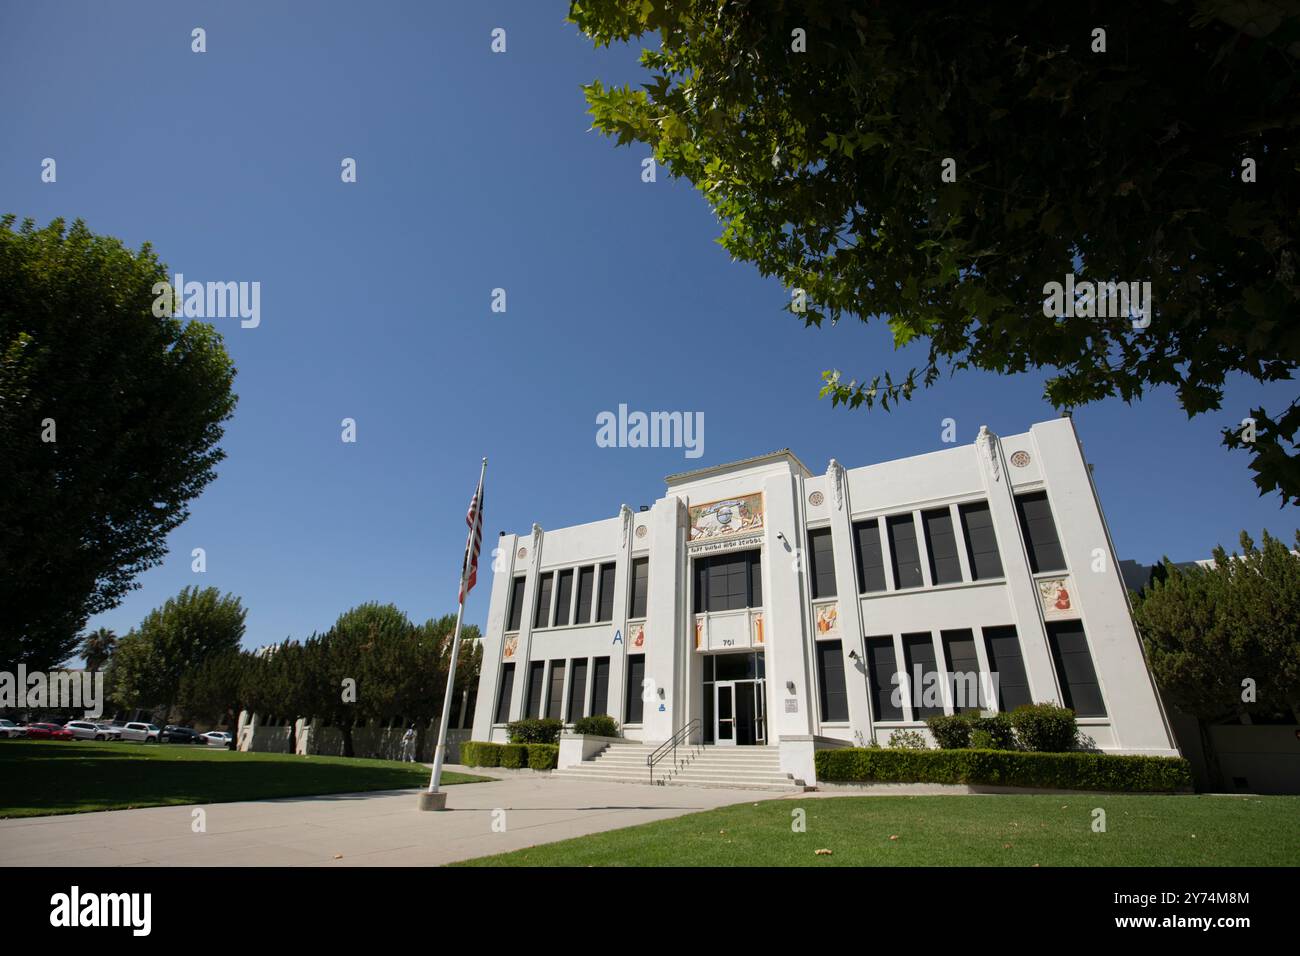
473 518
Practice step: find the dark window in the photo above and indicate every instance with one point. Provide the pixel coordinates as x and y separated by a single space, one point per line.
542 614
577 689
904 552
586 585
536 677
1040 532
471 702
830 678
918 651
821 563
1007 665
1074 668
737 666
870 558
981 543
600 686
728 582
880 661
556 696
964 670
516 615
606 593
563 598
640 586
632 691
504 692
945 567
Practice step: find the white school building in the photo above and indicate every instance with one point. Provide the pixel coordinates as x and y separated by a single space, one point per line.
760 604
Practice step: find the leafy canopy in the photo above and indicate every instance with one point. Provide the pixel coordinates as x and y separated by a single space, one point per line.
825 166
134 404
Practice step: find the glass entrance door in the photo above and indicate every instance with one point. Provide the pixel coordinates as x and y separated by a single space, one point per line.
724 710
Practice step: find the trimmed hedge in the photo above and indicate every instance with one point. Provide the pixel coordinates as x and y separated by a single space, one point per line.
477 753
535 731
543 756
1057 771
514 756
950 731
1045 727
600 725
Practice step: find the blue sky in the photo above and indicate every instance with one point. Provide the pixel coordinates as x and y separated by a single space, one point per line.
475 171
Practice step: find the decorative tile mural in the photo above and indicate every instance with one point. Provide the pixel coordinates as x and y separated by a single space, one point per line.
722 519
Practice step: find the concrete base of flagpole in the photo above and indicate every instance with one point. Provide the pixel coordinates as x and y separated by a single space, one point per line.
433 801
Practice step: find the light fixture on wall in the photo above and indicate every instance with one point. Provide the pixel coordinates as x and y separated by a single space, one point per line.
789 685
661 693
853 655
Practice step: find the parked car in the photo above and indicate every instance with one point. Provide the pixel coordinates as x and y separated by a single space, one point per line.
142 733
180 735
216 738
86 730
44 731
9 729
111 731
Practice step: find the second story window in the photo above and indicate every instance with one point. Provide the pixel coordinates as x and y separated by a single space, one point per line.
515 615
728 582
605 612
1041 540
640 587
564 598
821 563
542 613
905 552
586 590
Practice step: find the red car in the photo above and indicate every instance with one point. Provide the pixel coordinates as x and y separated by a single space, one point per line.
48 732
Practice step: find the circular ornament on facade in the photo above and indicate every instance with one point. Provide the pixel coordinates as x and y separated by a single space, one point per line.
640 531
1020 459
522 553
816 498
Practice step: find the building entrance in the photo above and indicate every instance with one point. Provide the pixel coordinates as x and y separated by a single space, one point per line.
735 700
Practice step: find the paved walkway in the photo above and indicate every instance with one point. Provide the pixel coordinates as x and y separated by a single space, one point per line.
356 829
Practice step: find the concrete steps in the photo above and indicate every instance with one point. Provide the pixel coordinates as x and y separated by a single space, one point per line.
744 768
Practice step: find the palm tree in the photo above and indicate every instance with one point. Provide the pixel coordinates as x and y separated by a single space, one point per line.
97 647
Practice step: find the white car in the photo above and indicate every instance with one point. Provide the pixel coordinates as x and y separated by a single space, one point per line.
144 733
111 731
86 730
9 729
216 738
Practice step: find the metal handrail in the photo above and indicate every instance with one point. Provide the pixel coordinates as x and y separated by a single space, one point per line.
670 745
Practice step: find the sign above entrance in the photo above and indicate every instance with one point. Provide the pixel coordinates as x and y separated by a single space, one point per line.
729 630
720 523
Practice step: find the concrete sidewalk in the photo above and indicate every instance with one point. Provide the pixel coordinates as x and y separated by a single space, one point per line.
356 829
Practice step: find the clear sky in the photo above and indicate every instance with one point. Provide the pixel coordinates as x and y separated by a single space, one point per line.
475 171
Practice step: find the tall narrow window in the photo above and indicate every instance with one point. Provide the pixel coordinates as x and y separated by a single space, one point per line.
821 563
606 593
516 615
981 542
542 613
586 590
640 587
945 566
755 579
905 552
1041 540
881 663
870 558
563 598
600 686
830 679
963 671
632 691
1007 666
922 676
555 697
536 677
577 689
504 691
1074 668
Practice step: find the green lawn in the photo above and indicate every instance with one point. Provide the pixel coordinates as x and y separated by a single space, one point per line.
45 777
950 831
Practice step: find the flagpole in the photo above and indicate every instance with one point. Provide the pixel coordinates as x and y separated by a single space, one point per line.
430 800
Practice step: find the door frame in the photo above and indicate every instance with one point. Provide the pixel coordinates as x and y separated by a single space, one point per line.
718 687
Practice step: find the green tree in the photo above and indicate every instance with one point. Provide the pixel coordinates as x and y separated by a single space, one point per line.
1224 641
211 691
97 647
819 132
110 419
152 660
